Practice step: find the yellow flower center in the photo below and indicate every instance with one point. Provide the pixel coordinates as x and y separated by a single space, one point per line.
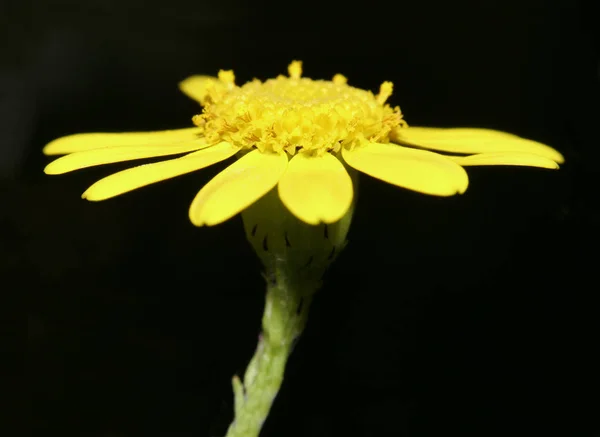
294 113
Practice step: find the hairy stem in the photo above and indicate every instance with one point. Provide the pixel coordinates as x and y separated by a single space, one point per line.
284 318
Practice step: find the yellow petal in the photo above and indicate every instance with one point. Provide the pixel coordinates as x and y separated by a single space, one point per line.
467 140
505 158
418 170
196 87
82 142
108 155
147 174
237 187
316 188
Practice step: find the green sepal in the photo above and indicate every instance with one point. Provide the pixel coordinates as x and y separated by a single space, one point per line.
285 243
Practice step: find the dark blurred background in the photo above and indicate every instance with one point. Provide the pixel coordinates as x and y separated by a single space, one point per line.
473 315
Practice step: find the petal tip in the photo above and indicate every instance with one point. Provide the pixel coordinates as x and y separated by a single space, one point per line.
464 183
92 194
51 169
196 219
53 147
200 217
312 221
197 223
89 195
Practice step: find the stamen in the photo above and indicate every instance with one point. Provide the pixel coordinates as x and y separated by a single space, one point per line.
340 79
385 91
295 69
227 77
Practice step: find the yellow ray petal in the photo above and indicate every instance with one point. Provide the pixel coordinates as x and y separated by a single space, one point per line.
467 140
316 189
237 187
82 142
195 87
418 170
147 174
108 155
505 158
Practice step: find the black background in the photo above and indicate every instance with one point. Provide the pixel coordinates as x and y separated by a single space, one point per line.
473 315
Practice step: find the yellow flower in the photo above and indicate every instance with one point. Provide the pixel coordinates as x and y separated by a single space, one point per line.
296 134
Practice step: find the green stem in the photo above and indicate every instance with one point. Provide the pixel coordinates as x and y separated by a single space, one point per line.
284 318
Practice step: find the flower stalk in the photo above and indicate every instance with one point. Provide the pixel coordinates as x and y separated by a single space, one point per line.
284 318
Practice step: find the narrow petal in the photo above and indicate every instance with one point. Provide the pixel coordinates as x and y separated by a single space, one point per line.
108 155
505 158
418 170
316 189
195 87
82 142
130 179
466 140
237 187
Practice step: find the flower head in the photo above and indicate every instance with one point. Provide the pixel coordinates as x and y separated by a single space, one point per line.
295 114
299 135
